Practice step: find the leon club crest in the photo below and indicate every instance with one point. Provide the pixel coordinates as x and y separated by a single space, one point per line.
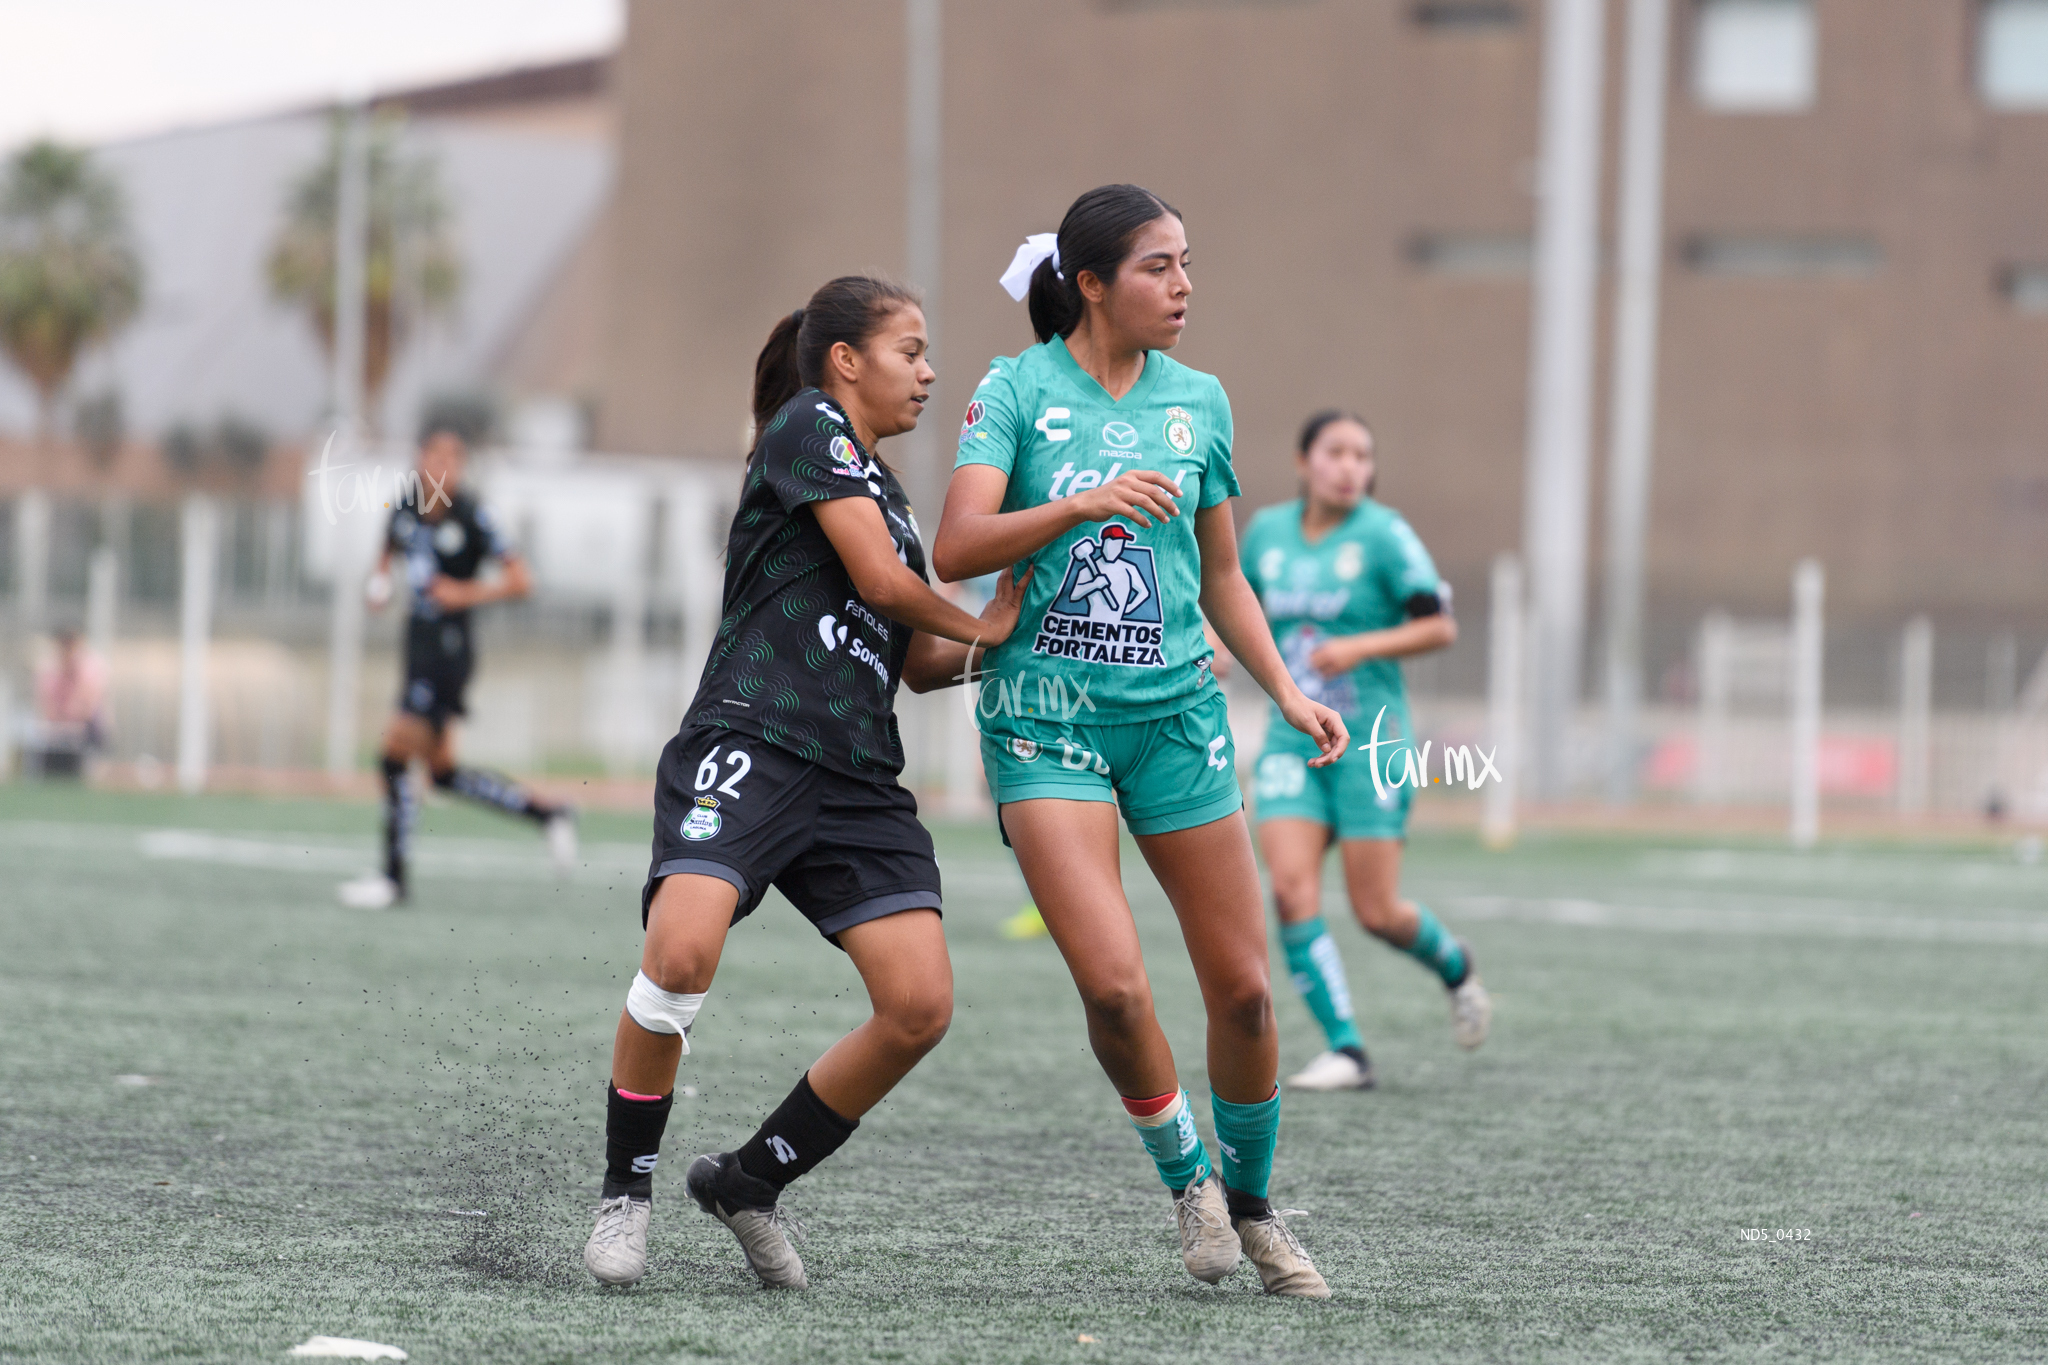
1107 610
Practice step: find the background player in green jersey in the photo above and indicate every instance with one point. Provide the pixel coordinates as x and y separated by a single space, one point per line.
1080 456
1350 591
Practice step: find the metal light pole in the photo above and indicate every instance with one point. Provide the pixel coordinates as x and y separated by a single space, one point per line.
351 245
1561 378
1632 418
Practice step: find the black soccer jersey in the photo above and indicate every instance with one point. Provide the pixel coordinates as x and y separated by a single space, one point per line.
801 662
456 545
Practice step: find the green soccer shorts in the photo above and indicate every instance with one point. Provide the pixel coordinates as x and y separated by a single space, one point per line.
1171 773
1340 797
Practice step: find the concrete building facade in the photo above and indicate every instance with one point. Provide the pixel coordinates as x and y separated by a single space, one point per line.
1853 334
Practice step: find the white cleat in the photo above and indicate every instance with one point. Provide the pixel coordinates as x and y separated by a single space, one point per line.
1334 1071
561 829
1471 1012
372 892
1208 1244
1282 1261
617 1250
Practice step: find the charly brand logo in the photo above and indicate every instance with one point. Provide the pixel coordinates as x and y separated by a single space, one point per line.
347 487
1469 763
1122 435
702 822
1054 433
1180 431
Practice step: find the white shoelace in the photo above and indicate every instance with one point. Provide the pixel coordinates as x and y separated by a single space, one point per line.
614 1219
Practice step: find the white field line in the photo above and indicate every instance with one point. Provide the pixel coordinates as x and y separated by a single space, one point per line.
1877 870
1578 913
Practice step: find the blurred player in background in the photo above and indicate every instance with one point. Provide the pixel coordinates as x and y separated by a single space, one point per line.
1350 591
444 537
784 774
1100 458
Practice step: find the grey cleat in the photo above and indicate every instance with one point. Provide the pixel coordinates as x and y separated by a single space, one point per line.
617 1250
719 1186
1208 1245
1284 1266
1471 1012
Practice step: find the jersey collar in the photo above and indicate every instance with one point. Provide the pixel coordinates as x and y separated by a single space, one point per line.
1064 359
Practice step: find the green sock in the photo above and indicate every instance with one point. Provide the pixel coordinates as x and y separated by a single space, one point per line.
1319 975
1245 1137
1175 1146
1435 949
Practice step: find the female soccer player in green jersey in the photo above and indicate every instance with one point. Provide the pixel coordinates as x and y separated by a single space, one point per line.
1349 591
1106 466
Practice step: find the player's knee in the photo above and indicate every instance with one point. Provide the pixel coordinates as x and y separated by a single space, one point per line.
918 1022
677 967
1120 1005
1245 1004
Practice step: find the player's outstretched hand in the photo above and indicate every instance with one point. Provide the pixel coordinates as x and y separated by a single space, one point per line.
377 590
1320 724
1142 495
1000 615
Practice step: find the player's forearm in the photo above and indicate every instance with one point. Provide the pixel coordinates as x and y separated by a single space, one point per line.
971 544
936 664
1419 636
904 597
1234 614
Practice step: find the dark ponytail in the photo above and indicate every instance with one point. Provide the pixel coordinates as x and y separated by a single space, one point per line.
851 309
1096 235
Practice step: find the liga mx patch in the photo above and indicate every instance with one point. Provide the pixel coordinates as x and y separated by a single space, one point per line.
975 412
703 822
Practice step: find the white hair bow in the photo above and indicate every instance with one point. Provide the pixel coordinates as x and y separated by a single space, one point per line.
1037 247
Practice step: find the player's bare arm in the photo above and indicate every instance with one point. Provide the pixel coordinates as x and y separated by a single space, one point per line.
1233 611
513 583
977 537
855 527
935 662
1423 635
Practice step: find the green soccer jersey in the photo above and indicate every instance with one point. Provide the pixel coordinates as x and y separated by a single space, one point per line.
1358 577
1111 631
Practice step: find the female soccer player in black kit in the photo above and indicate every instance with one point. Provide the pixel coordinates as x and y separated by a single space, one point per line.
784 773
443 537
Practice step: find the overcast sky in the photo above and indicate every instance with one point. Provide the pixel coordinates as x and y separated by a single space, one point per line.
95 70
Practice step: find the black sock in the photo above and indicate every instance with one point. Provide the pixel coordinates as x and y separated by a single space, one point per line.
632 1142
802 1132
1356 1054
397 819
1244 1205
496 790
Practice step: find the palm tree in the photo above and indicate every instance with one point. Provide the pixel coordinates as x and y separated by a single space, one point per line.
68 276
413 270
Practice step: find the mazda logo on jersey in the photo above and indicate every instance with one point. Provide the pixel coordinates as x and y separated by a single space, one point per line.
1122 435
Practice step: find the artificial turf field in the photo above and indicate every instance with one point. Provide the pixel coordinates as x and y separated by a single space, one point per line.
1690 1040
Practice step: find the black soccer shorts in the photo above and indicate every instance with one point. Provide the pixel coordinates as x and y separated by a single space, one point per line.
438 662
843 849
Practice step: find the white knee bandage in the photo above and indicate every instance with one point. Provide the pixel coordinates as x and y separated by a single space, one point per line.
660 1011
